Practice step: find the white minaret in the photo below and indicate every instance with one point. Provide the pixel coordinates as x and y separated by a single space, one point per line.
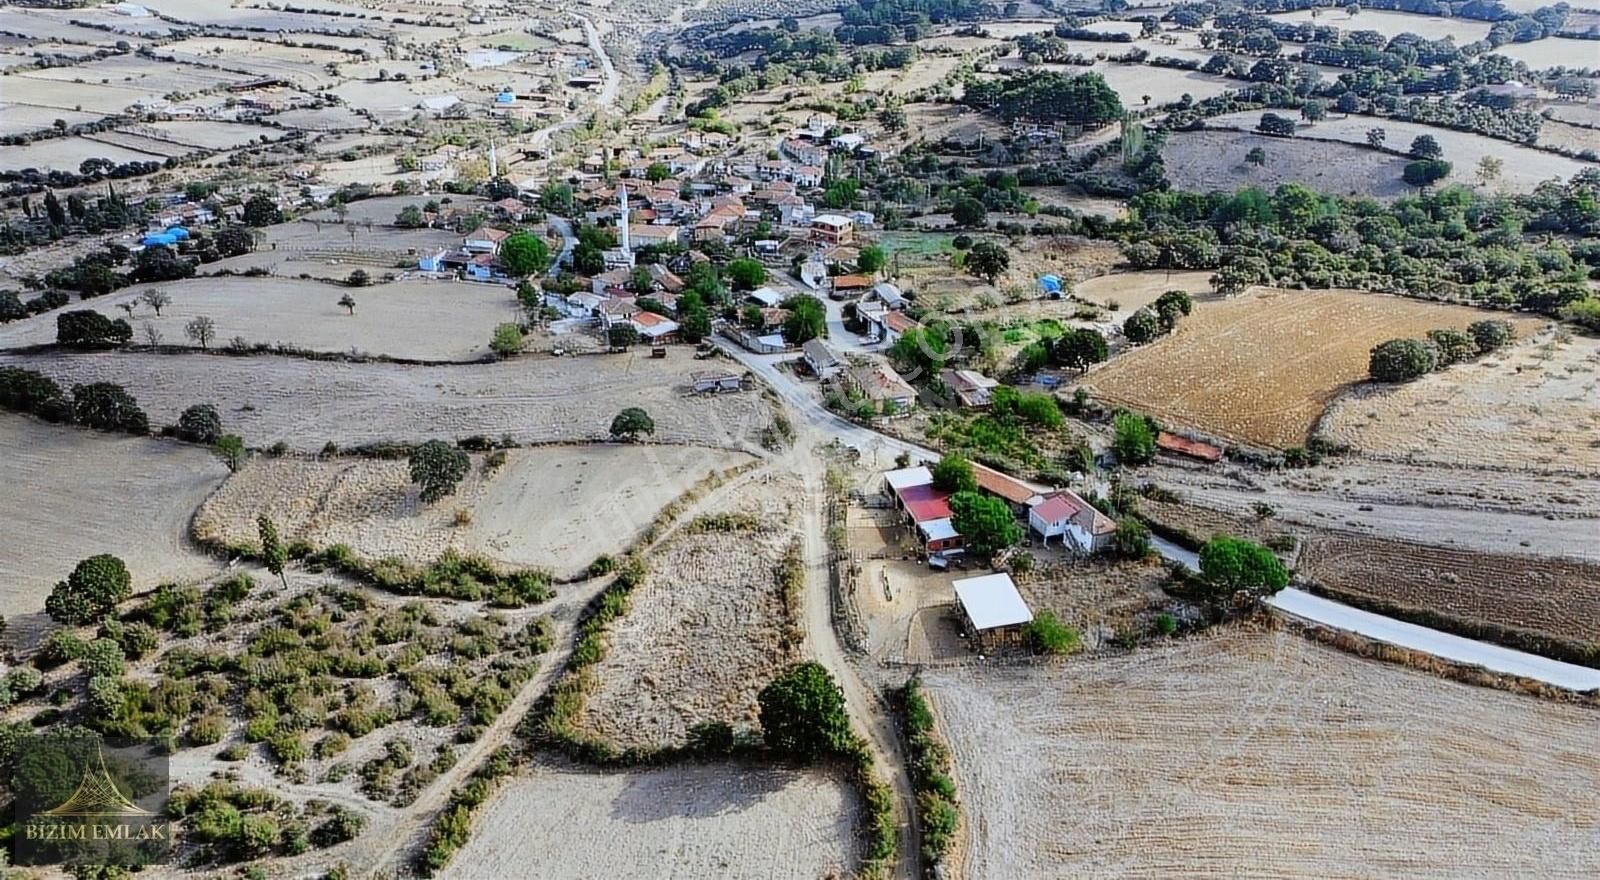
622 219
494 162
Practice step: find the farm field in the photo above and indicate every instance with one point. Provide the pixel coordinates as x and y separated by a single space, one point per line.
553 507
692 820
1393 24
1206 161
1163 84
1146 765
1262 367
306 404
1525 167
70 494
1132 291
429 320
707 628
24 118
67 153
1548 597
1551 52
1532 407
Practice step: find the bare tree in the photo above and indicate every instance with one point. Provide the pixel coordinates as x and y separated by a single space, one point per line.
128 307
202 330
351 228
157 299
349 302
152 336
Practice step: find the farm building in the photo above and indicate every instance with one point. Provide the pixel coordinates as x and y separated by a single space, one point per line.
970 387
1075 521
1188 448
654 328
993 611
883 387
715 383
850 285
821 359
925 508
888 294
1019 495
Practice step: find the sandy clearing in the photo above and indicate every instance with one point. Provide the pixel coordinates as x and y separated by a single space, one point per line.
306 404
1224 369
1148 765
425 320
1525 167
689 821
1532 408
68 494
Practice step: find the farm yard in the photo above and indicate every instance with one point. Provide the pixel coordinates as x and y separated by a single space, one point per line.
1530 407
1544 597
555 508
1524 169
1262 367
1215 160
691 820
129 496
306 404
419 319
1148 764
709 626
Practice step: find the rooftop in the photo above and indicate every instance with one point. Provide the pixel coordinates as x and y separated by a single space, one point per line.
992 601
905 478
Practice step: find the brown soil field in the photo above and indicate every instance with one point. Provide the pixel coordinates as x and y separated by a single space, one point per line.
305 404
68 494
426 320
1099 599
1132 291
555 508
705 631
1149 764
688 821
1203 523
1553 597
1532 407
1260 368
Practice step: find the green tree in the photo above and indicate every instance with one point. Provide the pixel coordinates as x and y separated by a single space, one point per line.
1425 146
91 592
986 523
358 278
1170 306
1452 345
970 213
746 274
1133 439
803 714
1255 156
507 340
953 473
1231 564
274 553
1401 360
657 172
87 328
1491 334
200 424
410 217
622 336
988 260
261 210
871 259
524 253
1078 347
1131 539
437 467
630 423
106 406
1142 326
229 449
807 320
1425 172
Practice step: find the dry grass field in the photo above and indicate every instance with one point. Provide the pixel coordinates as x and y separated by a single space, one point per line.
1532 407
1214 160
1393 24
1154 765
1262 367
1546 596
688 821
68 494
306 404
555 508
425 320
705 631
1132 291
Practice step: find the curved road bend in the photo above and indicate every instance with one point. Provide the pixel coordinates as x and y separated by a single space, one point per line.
1293 602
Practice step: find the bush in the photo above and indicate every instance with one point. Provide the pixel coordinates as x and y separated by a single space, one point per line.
1401 360
1491 334
208 729
437 467
200 424
803 713
103 657
90 593
1049 635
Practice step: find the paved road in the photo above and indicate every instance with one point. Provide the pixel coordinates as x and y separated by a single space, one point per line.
563 227
1292 602
608 92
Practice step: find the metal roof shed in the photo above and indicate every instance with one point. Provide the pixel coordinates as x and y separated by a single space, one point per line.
991 602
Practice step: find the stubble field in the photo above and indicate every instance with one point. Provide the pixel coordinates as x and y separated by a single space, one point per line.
68 494
555 508
1261 367
306 404
1150 765
1215 160
1530 408
691 820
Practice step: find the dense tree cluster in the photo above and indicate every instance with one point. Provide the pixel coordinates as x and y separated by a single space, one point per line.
1043 96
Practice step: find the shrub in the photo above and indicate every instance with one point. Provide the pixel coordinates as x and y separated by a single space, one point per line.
90 593
803 713
1491 334
1401 360
200 424
437 467
1049 635
103 657
208 729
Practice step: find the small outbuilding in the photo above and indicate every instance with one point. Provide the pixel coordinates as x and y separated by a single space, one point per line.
993 611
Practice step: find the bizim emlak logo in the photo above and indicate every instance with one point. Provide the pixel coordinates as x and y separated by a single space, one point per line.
82 800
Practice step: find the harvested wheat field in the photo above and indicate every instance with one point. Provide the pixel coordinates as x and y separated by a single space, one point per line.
1249 753
422 320
706 630
1132 291
555 508
1546 597
306 404
1533 407
68 494
688 821
1260 368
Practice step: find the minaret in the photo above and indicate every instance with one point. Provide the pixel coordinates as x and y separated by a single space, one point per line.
622 219
494 162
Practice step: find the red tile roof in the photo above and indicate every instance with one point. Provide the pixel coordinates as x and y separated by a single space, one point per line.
929 509
996 483
1185 446
1057 508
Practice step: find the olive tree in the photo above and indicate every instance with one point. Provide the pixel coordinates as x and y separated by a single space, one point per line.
1401 360
91 592
437 467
